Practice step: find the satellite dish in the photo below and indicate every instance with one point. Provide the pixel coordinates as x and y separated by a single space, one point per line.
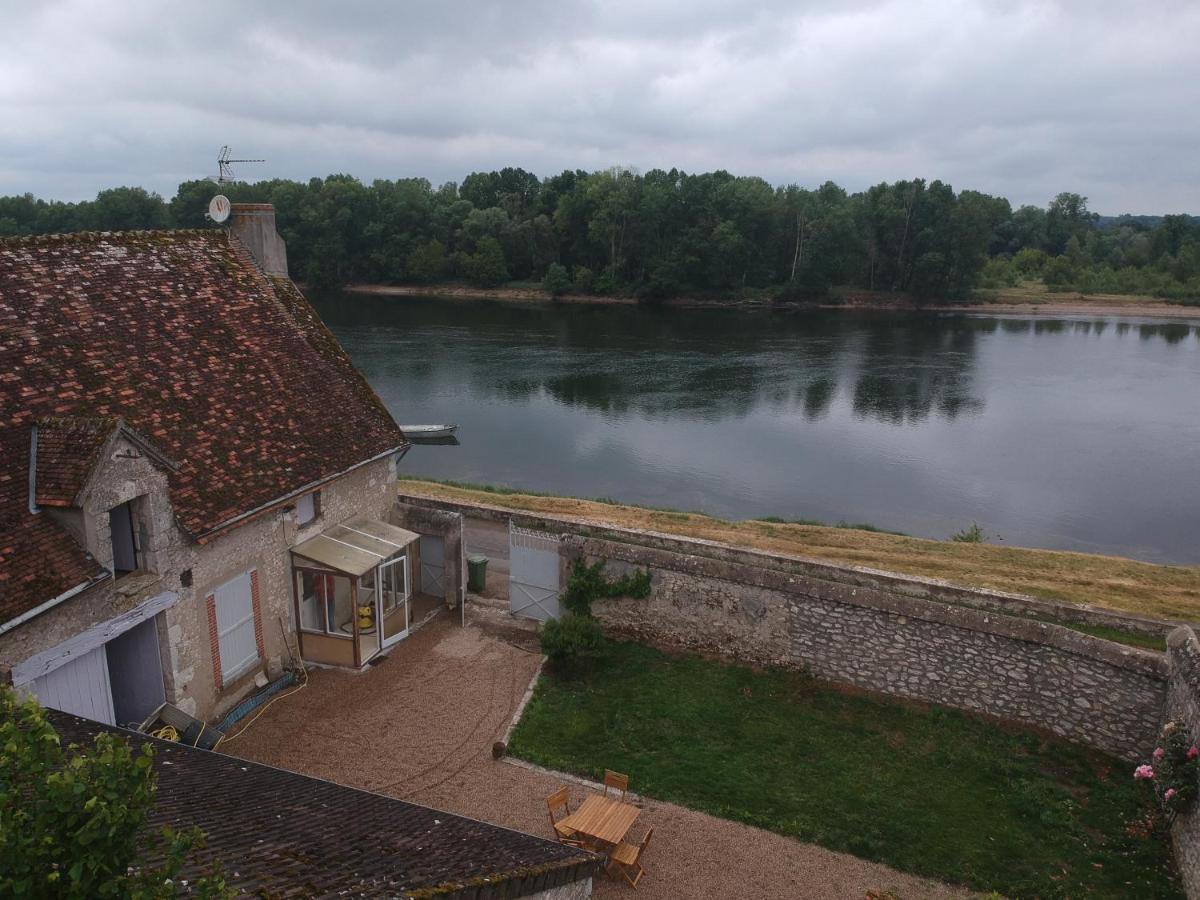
218 208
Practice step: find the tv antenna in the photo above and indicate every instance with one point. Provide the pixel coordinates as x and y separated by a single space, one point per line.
225 166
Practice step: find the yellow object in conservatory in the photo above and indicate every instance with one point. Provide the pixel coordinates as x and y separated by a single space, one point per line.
365 617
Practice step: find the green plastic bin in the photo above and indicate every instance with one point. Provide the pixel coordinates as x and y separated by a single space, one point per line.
476 573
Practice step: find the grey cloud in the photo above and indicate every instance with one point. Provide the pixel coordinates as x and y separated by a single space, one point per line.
1022 99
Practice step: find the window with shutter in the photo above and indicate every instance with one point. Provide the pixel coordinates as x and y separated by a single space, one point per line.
234 602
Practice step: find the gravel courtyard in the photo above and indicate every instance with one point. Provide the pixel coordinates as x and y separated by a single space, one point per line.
420 726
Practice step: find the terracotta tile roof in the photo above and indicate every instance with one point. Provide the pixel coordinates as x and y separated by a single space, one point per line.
230 373
67 448
281 834
38 560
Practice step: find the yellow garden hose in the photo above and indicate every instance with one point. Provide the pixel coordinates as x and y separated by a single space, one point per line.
262 709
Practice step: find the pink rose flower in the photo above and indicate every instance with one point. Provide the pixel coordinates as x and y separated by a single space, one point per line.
1143 773
1193 752
1171 792
1159 753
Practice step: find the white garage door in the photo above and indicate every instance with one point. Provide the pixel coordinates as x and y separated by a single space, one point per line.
80 687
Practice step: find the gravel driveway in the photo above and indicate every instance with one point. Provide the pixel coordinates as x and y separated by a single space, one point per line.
420 726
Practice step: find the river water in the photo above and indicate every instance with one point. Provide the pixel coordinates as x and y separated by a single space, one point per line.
1073 433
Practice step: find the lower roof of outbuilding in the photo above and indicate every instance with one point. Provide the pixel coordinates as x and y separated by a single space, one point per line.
357 546
281 834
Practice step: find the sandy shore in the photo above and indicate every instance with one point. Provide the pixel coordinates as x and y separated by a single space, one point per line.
1083 306
1106 305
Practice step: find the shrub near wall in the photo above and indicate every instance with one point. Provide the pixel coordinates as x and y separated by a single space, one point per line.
1077 686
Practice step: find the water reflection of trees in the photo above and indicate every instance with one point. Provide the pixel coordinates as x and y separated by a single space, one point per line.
911 368
711 364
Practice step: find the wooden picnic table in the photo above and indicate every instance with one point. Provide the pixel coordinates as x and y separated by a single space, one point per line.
602 819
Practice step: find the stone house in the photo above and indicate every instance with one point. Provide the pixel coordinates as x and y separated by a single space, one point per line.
175 419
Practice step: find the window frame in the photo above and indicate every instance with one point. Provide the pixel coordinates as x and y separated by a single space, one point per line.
125 512
298 572
312 500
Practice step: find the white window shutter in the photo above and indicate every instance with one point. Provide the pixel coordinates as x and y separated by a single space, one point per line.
234 602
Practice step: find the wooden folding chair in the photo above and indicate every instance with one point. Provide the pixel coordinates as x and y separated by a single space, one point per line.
616 781
626 860
558 805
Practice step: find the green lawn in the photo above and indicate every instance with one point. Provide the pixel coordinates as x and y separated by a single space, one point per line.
926 790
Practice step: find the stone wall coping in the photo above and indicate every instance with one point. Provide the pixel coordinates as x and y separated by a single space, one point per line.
1183 652
998 601
1145 662
437 519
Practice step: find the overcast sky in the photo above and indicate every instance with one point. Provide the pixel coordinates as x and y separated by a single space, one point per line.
1019 99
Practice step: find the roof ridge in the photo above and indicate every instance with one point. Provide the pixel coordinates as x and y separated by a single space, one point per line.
77 421
93 235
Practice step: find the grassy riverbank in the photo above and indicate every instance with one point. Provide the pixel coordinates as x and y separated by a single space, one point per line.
924 789
1114 582
1033 299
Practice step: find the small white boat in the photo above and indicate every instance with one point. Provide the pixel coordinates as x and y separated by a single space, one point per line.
428 431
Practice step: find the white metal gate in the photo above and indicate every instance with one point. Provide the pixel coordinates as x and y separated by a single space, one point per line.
80 687
533 574
433 565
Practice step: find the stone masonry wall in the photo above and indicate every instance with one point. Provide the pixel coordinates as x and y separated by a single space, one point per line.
1080 687
1183 704
861 576
449 527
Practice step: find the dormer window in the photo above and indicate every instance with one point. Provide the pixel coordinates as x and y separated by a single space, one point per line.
308 508
126 556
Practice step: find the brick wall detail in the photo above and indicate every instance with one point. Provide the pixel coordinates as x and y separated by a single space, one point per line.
258 624
214 641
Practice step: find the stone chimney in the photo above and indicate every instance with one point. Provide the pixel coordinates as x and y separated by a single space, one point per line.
254 225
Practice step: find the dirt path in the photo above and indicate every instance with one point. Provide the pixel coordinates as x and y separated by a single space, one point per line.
420 726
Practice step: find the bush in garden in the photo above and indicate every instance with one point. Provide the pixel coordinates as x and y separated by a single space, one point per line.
571 641
1172 770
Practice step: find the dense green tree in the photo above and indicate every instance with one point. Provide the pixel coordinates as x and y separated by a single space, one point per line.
557 281
73 820
427 262
485 267
1067 217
